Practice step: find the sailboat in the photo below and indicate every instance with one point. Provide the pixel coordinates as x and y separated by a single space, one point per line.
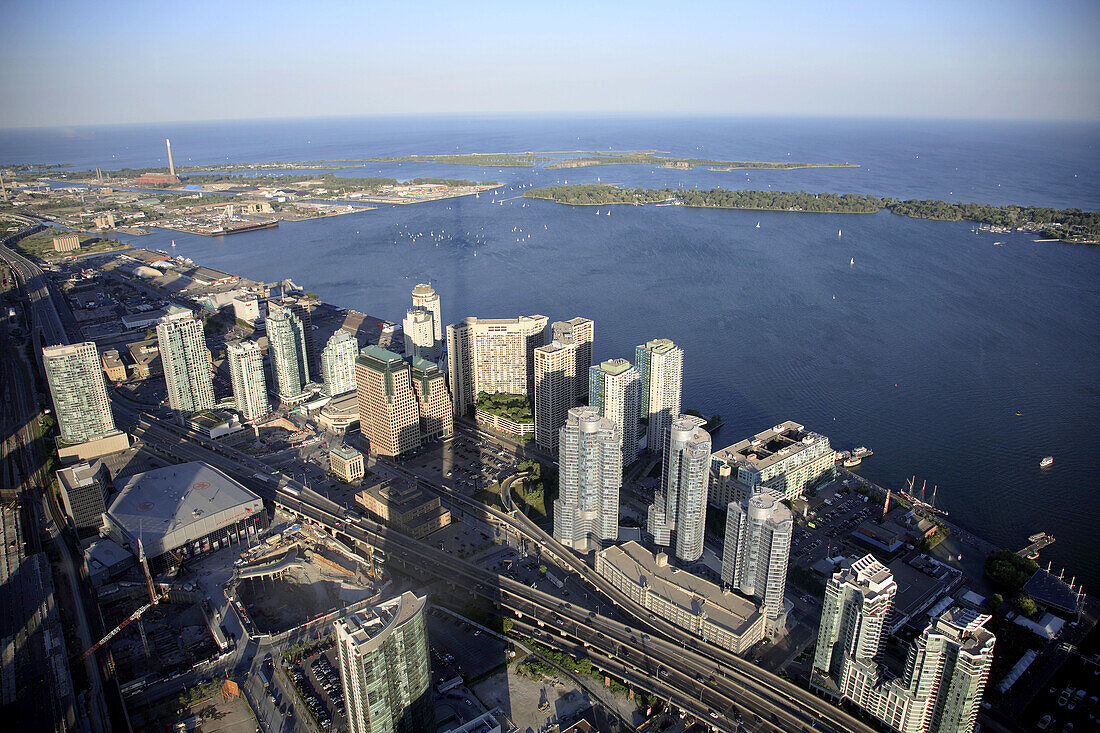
838 232
173 243
852 263
757 225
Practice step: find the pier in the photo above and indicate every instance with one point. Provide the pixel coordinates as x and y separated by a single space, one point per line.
1037 542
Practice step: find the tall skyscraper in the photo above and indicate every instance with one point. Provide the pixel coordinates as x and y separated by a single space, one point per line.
432 398
286 344
389 417
385 668
758 545
661 366
857 603
580 332
186 362
494 356
586 512
338 363
615 389
246 374
419 331
945 672
79 393
561 377
555 366
680 505
424 296
305 317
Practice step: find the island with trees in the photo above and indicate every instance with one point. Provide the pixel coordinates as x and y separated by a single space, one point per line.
1069 225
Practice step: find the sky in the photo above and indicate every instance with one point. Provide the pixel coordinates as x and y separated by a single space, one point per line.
77 63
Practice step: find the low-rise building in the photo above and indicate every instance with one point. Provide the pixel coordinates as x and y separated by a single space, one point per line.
113 366
504 424
346 463
405 506
83 494
146 359
699 606
786 458
340 414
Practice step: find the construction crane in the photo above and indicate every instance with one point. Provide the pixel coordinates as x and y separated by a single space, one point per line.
154 599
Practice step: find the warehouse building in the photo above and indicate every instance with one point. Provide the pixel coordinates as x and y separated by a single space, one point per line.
183 511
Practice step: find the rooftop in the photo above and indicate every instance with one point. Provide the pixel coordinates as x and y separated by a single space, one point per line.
770 446
1050 590
659 346
684 589
80 475
346 452
154 503
379 358
369 628
614 366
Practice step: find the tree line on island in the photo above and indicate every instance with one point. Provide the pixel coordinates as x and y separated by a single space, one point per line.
1072 225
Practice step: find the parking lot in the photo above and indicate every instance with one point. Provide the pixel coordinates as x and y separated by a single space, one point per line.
832 517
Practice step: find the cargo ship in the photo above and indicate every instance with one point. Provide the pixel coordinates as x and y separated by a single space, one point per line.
247 227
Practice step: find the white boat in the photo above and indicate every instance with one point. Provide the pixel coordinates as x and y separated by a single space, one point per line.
852 263
838 232
173 243
757 225
1046 462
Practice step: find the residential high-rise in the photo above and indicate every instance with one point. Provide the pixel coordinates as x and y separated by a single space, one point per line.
338 363
385 668
246 374
615 389
758 545
586 512
186 362
939 690
494 356
420 340
661 366
79 393
555 374
389 417
580 332
680 505
857 604
433 400
424 296
286 344
305 317
561 377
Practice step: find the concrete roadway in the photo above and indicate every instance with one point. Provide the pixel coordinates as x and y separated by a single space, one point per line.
776 699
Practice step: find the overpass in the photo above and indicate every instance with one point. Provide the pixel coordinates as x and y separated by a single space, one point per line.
705 679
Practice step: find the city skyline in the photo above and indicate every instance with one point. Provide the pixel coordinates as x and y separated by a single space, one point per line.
795 59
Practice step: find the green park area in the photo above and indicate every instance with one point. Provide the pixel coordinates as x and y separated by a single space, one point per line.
40 245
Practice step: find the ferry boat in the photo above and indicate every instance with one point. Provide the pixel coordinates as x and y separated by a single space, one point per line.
1046 462
862 452
852 461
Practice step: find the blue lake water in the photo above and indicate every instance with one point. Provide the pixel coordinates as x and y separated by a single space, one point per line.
924 349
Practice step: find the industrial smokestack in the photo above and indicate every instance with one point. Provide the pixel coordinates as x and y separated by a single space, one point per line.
171 166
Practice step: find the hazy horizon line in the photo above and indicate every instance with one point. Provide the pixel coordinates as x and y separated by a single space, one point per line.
585 114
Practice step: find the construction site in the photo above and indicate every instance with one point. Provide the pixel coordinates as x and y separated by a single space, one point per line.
298 575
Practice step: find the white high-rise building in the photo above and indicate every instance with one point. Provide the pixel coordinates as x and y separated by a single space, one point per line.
615 389
246 374
385 667
79 393
424 296
494 356
586 512
661 366
338 363
941 686
420 342
186 362
680 505
758 545
286 343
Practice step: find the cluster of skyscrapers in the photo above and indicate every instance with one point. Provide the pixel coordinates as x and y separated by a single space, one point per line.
939 687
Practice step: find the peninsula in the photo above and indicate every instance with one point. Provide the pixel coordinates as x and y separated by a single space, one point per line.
1068 225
